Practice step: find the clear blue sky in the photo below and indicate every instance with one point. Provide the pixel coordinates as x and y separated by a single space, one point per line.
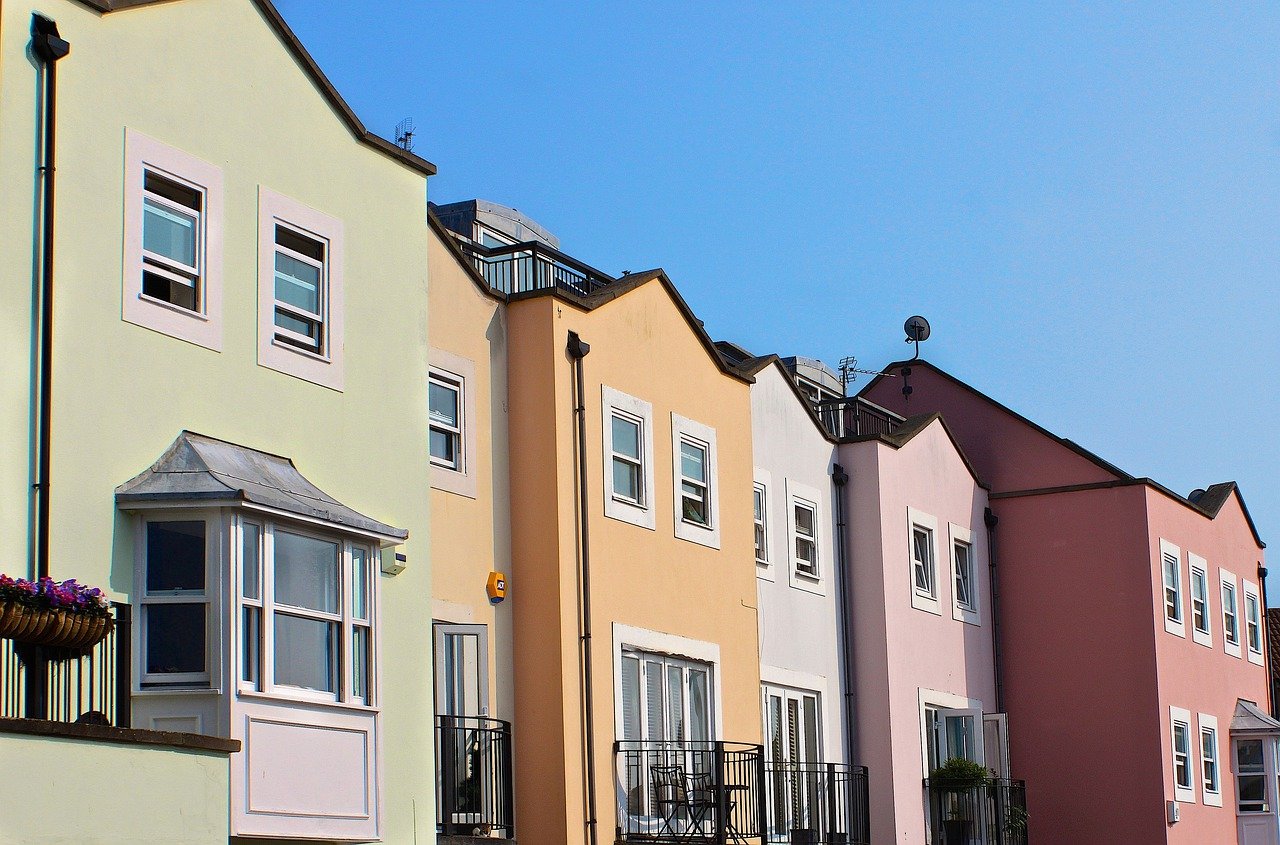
1083 200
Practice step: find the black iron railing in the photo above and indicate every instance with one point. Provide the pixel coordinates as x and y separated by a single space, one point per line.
690 792
473 777
855 417
69 684
992 814
528 266
817 803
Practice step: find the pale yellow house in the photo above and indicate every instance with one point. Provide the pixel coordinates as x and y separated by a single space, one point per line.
238 426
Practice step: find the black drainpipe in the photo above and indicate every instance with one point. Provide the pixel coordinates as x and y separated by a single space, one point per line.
841 478
1266 642
992 521
578 349
48 47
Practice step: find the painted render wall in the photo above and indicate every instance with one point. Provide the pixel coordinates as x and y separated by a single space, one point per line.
643 578
122 392
471 531
904 653
800 624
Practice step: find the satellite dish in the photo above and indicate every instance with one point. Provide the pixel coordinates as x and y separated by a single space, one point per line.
917 329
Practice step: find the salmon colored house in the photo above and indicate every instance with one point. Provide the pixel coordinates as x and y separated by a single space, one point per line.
1132 642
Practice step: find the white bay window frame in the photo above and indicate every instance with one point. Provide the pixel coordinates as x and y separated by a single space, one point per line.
685 430
641 513
1172 594
210 598
923 596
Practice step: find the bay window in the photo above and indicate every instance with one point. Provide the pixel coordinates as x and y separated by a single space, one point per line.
175 603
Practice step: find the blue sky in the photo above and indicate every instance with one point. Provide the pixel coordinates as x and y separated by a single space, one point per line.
1083 200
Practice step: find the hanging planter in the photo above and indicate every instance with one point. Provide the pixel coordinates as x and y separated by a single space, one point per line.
49 613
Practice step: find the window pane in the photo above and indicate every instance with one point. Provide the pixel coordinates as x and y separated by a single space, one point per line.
250 559
675 703
630 699
250 645
360 663
1253 793
1249 755
964 575
360 583
693 461
306 652
694 503
444 446
757 504
307 328
653 700
699 709
444 404
960 736
804 520
297 283
175 556
168 232
626 479
175 638
626 438
306 572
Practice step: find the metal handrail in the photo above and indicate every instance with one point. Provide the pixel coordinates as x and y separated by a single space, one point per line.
817 803
532 265
853 416
474 776
991 813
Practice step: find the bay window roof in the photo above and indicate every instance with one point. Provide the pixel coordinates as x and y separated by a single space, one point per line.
196 468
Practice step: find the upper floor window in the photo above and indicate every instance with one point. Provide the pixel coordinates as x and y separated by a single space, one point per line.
760 513
452 442
1199 601
806 560
1230 614
1171 569
300 292
697 509
173 242
445 401
1182 758
1253 623
695 492
922 535
627 429
1210 778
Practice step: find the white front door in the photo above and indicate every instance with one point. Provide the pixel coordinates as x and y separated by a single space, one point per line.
793 751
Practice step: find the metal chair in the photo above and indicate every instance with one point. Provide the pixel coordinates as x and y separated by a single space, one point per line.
679 798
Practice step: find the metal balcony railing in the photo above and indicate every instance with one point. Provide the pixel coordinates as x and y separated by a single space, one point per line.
690 792
852 416
817 803
69 684
473 777
992 814
532 265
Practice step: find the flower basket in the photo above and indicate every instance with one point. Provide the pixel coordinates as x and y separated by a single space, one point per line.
46 613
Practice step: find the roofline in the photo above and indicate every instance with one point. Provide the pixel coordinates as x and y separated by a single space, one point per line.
756 365
907 432
1141 482
330 93
1070 444
625 285
451 245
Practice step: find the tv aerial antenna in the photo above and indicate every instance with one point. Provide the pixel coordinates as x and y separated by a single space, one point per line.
404 134
849 372
917 329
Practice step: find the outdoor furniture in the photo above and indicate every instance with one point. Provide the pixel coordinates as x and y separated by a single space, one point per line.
683 802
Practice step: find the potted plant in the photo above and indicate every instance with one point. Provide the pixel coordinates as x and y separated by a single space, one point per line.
959 780
51 613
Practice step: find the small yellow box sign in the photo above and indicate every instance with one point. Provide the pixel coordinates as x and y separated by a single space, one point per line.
497 587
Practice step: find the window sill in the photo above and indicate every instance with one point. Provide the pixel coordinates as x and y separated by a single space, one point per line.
303 699
177 690
176 309
926 604
288 347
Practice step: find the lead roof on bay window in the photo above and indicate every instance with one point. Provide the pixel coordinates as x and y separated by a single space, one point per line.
200 468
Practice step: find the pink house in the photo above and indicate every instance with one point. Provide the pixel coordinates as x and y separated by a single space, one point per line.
1131 635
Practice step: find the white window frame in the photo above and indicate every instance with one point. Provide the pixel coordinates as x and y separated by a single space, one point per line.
682 429
325 367
1227 579
760 523
457 431
929 603
763 480
642 514
628 638
1252 619
1176 626
462 371
804 496
1180 716
203 326
211 678
1210 791
266 684
1197 565
970 614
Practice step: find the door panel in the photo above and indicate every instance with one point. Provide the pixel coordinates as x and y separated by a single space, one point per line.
462 670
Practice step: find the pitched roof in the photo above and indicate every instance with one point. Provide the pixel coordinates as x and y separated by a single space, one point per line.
1249 718
751 365
912 426
200 468
312 69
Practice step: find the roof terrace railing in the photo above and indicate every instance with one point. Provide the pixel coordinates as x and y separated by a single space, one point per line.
531 265
853 416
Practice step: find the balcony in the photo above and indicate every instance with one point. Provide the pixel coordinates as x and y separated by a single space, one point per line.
817 803
852 416
992 814
529 266
473 777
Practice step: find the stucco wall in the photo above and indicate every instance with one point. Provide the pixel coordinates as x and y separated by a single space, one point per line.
123 392
80 792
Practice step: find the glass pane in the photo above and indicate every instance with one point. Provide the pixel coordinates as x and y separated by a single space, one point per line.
306 652
175 638
775 727
1249 755
168 232
693 460
694 505
306 328
757 504
1253 790
250 559
463 664
626 479
626 438
960 736
306 572
810 728
675 704
360 582
360 663
444 404
444 446
699 706
297 283
933 737
760 555
175 556
653 701
804 520
250 645
630 699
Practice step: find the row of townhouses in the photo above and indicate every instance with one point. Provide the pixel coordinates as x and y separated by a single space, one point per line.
415 528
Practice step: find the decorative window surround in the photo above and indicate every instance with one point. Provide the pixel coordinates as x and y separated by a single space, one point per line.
702 436
641 513
1210 760
1253 630
805 497
1181 758
324 367
1201 589
203 324
922 598
969 612
460 371
1231 624
764 487
1171 594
